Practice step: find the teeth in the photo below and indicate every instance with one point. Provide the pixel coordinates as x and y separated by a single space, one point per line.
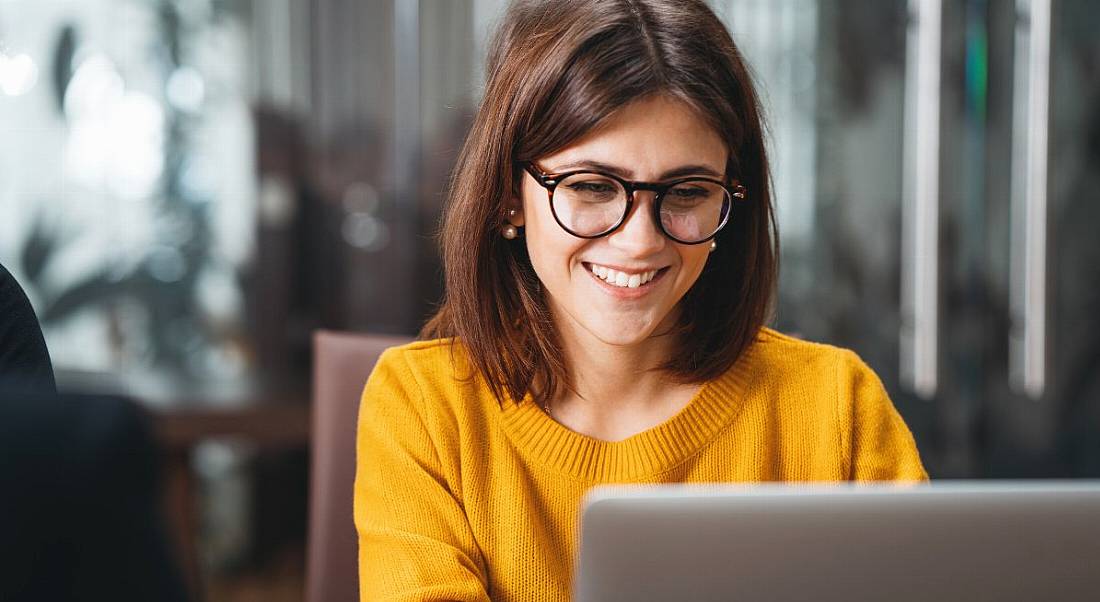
622 279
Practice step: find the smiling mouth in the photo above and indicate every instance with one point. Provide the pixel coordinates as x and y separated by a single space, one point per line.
624 279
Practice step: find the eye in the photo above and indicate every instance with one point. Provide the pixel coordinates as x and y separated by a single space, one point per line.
592 186
688 193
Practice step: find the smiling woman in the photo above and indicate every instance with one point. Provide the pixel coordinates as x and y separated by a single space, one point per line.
593 285
610 260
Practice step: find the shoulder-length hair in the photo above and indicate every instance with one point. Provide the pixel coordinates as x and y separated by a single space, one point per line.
556 70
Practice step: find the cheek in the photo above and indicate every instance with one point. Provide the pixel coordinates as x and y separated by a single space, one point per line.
552 252
549 247
544 236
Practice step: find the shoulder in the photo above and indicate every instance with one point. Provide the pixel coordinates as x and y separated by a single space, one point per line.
24 359
426 349
427 360
14 305
785 353
425 393
807 372
832 376
435 372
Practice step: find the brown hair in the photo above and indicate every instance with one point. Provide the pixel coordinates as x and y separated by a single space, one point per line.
556 70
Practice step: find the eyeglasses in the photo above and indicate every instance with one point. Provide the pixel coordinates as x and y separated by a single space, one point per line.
591 204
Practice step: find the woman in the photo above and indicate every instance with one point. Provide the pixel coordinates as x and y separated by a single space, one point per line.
610 261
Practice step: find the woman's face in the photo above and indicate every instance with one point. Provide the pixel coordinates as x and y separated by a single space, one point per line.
650 140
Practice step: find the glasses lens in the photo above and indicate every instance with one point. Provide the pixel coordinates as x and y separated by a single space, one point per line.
693 211
588 204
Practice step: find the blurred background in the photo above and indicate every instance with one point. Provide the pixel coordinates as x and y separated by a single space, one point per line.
189 188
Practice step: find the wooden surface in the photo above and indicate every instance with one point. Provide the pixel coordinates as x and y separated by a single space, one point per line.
274 423
280 424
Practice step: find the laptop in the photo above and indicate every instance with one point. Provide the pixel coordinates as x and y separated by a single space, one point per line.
953 541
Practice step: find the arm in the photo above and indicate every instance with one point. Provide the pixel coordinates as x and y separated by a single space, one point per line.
881 446
415 543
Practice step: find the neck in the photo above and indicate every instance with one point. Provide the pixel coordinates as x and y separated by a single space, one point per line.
607 374
610 378
619 389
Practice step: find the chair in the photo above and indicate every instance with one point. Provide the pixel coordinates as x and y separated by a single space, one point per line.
342 362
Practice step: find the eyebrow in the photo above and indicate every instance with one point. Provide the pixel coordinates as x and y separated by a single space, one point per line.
681 171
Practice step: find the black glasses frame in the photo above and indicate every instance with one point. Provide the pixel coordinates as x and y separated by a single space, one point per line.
550 181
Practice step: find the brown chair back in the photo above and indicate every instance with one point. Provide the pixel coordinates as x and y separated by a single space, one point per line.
341 364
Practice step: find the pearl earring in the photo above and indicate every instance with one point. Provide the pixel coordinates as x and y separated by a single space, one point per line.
509 231
713 245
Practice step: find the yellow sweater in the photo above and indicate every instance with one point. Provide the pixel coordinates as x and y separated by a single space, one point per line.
458 498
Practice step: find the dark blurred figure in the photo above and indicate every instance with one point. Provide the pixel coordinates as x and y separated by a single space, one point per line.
24 360
79 490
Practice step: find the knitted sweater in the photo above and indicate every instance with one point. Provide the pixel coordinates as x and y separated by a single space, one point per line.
459 497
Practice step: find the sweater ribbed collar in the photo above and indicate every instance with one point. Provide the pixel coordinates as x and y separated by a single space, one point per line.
650 452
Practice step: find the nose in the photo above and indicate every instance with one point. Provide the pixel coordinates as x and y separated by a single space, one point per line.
639 236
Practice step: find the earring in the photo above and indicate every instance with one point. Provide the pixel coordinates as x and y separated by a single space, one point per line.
713 245
509 231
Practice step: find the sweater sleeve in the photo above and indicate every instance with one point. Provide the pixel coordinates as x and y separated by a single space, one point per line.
880 445
415 542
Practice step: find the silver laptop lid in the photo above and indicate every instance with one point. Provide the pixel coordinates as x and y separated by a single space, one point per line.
947 541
